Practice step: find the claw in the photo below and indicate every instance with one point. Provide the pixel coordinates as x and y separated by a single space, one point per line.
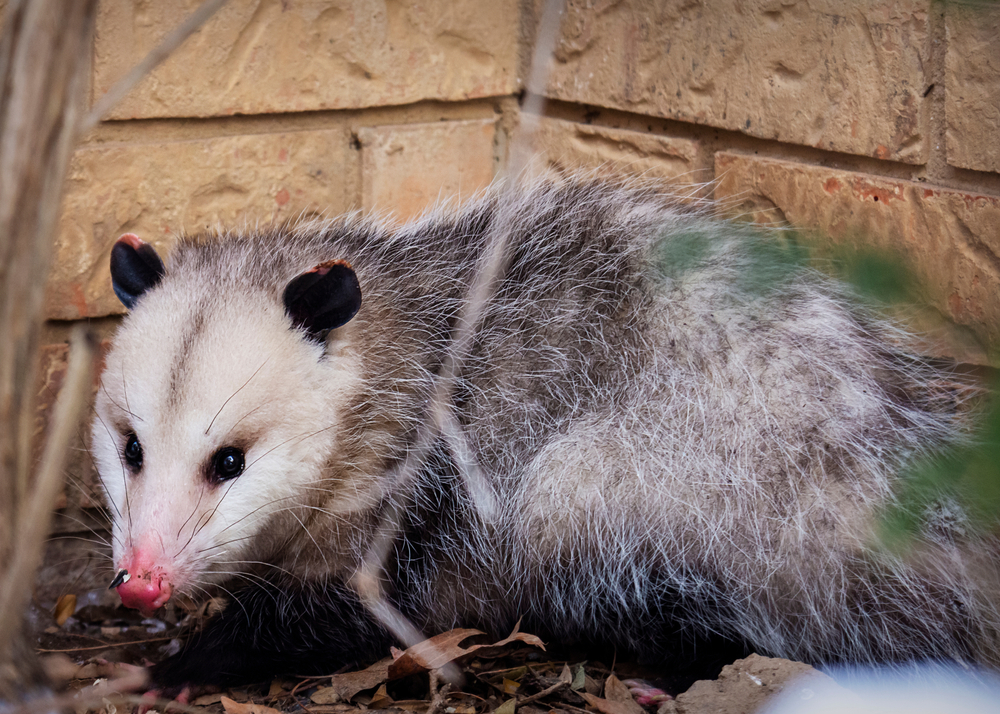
121 578
155 695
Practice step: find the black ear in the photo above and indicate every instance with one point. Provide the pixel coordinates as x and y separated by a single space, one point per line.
323 298
135 268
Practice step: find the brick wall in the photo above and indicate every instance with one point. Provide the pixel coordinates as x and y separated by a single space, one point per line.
871 120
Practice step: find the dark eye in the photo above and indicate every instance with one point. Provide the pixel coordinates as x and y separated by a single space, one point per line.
227 463
133 452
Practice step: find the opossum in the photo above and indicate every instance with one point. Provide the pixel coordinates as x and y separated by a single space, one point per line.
686 438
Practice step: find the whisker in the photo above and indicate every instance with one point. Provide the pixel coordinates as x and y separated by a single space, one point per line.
259 508
121 461
125 409
234 394
224 543
63 536
125 394
201 495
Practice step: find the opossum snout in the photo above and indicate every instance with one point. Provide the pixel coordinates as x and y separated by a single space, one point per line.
148 588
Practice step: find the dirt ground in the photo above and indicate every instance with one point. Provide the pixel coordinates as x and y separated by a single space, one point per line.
86 637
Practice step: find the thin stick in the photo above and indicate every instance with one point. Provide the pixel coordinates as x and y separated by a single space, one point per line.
438 692
370 594
442 421
534 89
159 53
542 694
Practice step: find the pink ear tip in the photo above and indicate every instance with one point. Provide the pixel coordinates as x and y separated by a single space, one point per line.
132 240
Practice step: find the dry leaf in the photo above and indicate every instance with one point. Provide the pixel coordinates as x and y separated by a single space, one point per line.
446 647
65 607
344 686
499 675
566 676
325 695
433 653
579 679
207 699
381 699
608 707
591 685
497 648
615 691
233 707
507 707
510 686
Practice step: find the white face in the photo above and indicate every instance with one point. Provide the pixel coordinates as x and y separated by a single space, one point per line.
213 416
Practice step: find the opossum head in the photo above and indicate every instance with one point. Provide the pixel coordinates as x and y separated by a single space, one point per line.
217 411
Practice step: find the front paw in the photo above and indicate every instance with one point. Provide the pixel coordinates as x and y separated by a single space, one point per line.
161 700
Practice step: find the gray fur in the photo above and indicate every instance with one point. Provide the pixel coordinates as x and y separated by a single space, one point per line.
659 428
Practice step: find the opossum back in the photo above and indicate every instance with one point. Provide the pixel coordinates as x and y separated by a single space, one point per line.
682 433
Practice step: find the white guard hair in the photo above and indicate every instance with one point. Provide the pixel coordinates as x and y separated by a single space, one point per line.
674 429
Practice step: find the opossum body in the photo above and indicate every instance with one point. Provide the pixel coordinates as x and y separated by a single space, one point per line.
682 441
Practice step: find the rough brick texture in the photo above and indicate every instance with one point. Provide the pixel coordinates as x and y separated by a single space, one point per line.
972 79
158 190
564 146
948 237
271 56
841 76
407 168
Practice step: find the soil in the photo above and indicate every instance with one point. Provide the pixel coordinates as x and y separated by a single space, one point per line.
87 636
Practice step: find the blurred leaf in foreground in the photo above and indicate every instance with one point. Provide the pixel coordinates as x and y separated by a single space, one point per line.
968 475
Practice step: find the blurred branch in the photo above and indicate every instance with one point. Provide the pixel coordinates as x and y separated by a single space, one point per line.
45 62
159 53
45 50
35 514
442 422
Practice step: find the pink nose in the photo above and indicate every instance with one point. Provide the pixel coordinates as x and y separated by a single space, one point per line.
147 588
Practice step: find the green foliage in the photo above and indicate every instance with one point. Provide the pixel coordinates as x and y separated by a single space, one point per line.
683 252
773 264
878 276
969 475
770 261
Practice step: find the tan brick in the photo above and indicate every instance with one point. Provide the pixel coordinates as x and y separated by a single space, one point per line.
159 190
841 76
972 83
949 238
271 56
406 168
565 146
